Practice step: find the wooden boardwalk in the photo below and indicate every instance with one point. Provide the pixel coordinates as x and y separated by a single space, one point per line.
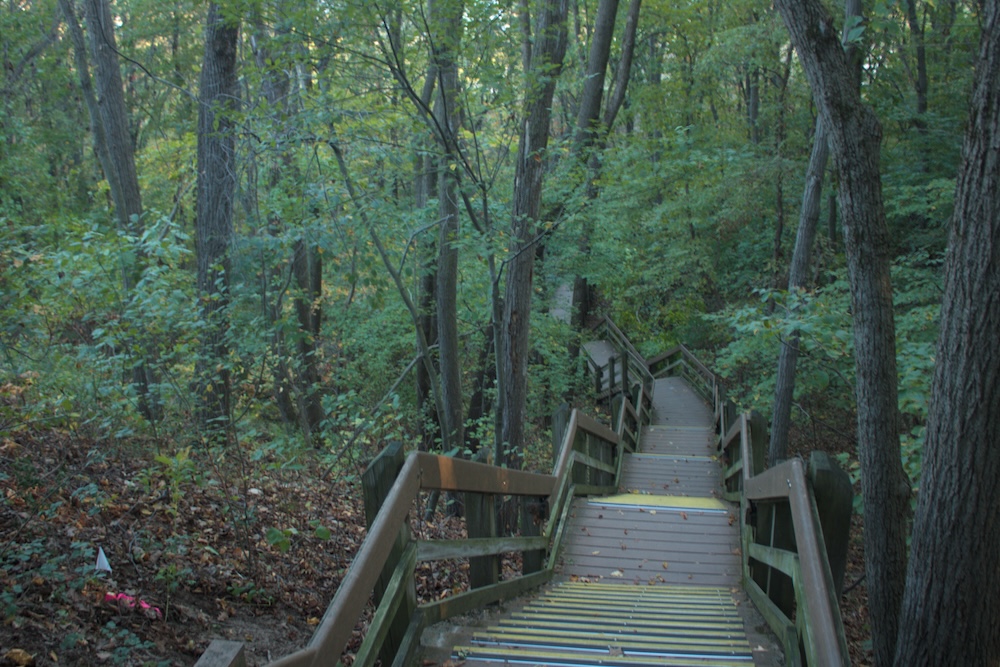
650 576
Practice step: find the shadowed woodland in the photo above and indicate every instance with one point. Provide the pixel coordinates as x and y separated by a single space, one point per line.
246 245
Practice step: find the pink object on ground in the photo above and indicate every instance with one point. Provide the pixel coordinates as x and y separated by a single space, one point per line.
124 601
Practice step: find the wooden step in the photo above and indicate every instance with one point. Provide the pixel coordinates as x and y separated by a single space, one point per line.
585 624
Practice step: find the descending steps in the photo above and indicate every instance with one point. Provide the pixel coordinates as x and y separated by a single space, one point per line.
651 576
577 623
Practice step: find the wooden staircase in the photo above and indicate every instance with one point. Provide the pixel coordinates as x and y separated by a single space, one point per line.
636 556
650 576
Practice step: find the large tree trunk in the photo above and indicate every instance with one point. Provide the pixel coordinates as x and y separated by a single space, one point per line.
951 613
588 132
219 99
855 137
546 58
588 127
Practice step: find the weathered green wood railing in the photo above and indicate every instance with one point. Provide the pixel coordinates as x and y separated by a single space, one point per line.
794 524
589 461
626 373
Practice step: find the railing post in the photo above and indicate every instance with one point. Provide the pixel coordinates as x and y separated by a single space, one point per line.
759 441
481 521
560 420
376 482
612 375
222 653
834 505
625 359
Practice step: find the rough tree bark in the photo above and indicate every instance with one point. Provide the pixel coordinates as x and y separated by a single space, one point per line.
545 57
855 137
218 100
950 611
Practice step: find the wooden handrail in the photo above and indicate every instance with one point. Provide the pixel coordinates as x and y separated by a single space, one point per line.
818 630
584 446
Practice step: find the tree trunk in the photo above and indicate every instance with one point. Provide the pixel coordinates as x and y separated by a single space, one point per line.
218 100
950 611
447 22
587 135
274 88
113 141
426 257
588 127
589 139
307 265
797 276
855 136
546 58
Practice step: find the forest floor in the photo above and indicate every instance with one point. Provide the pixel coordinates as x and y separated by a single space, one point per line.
243 550
239 549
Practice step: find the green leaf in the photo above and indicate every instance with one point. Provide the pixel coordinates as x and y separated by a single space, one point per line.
279 539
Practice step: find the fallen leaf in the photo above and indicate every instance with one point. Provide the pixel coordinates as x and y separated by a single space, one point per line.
615 651
594 553
20 657
665 565
652 511
617 573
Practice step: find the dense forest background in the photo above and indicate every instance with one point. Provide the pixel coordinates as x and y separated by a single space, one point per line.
299 230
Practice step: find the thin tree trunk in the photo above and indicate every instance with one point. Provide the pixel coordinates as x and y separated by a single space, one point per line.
427 259
855 137
275 88
219 99
950 611
447 23
307 265
798 275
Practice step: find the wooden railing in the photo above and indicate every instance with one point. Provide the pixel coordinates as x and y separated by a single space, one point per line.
626 373
588 461
794 523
